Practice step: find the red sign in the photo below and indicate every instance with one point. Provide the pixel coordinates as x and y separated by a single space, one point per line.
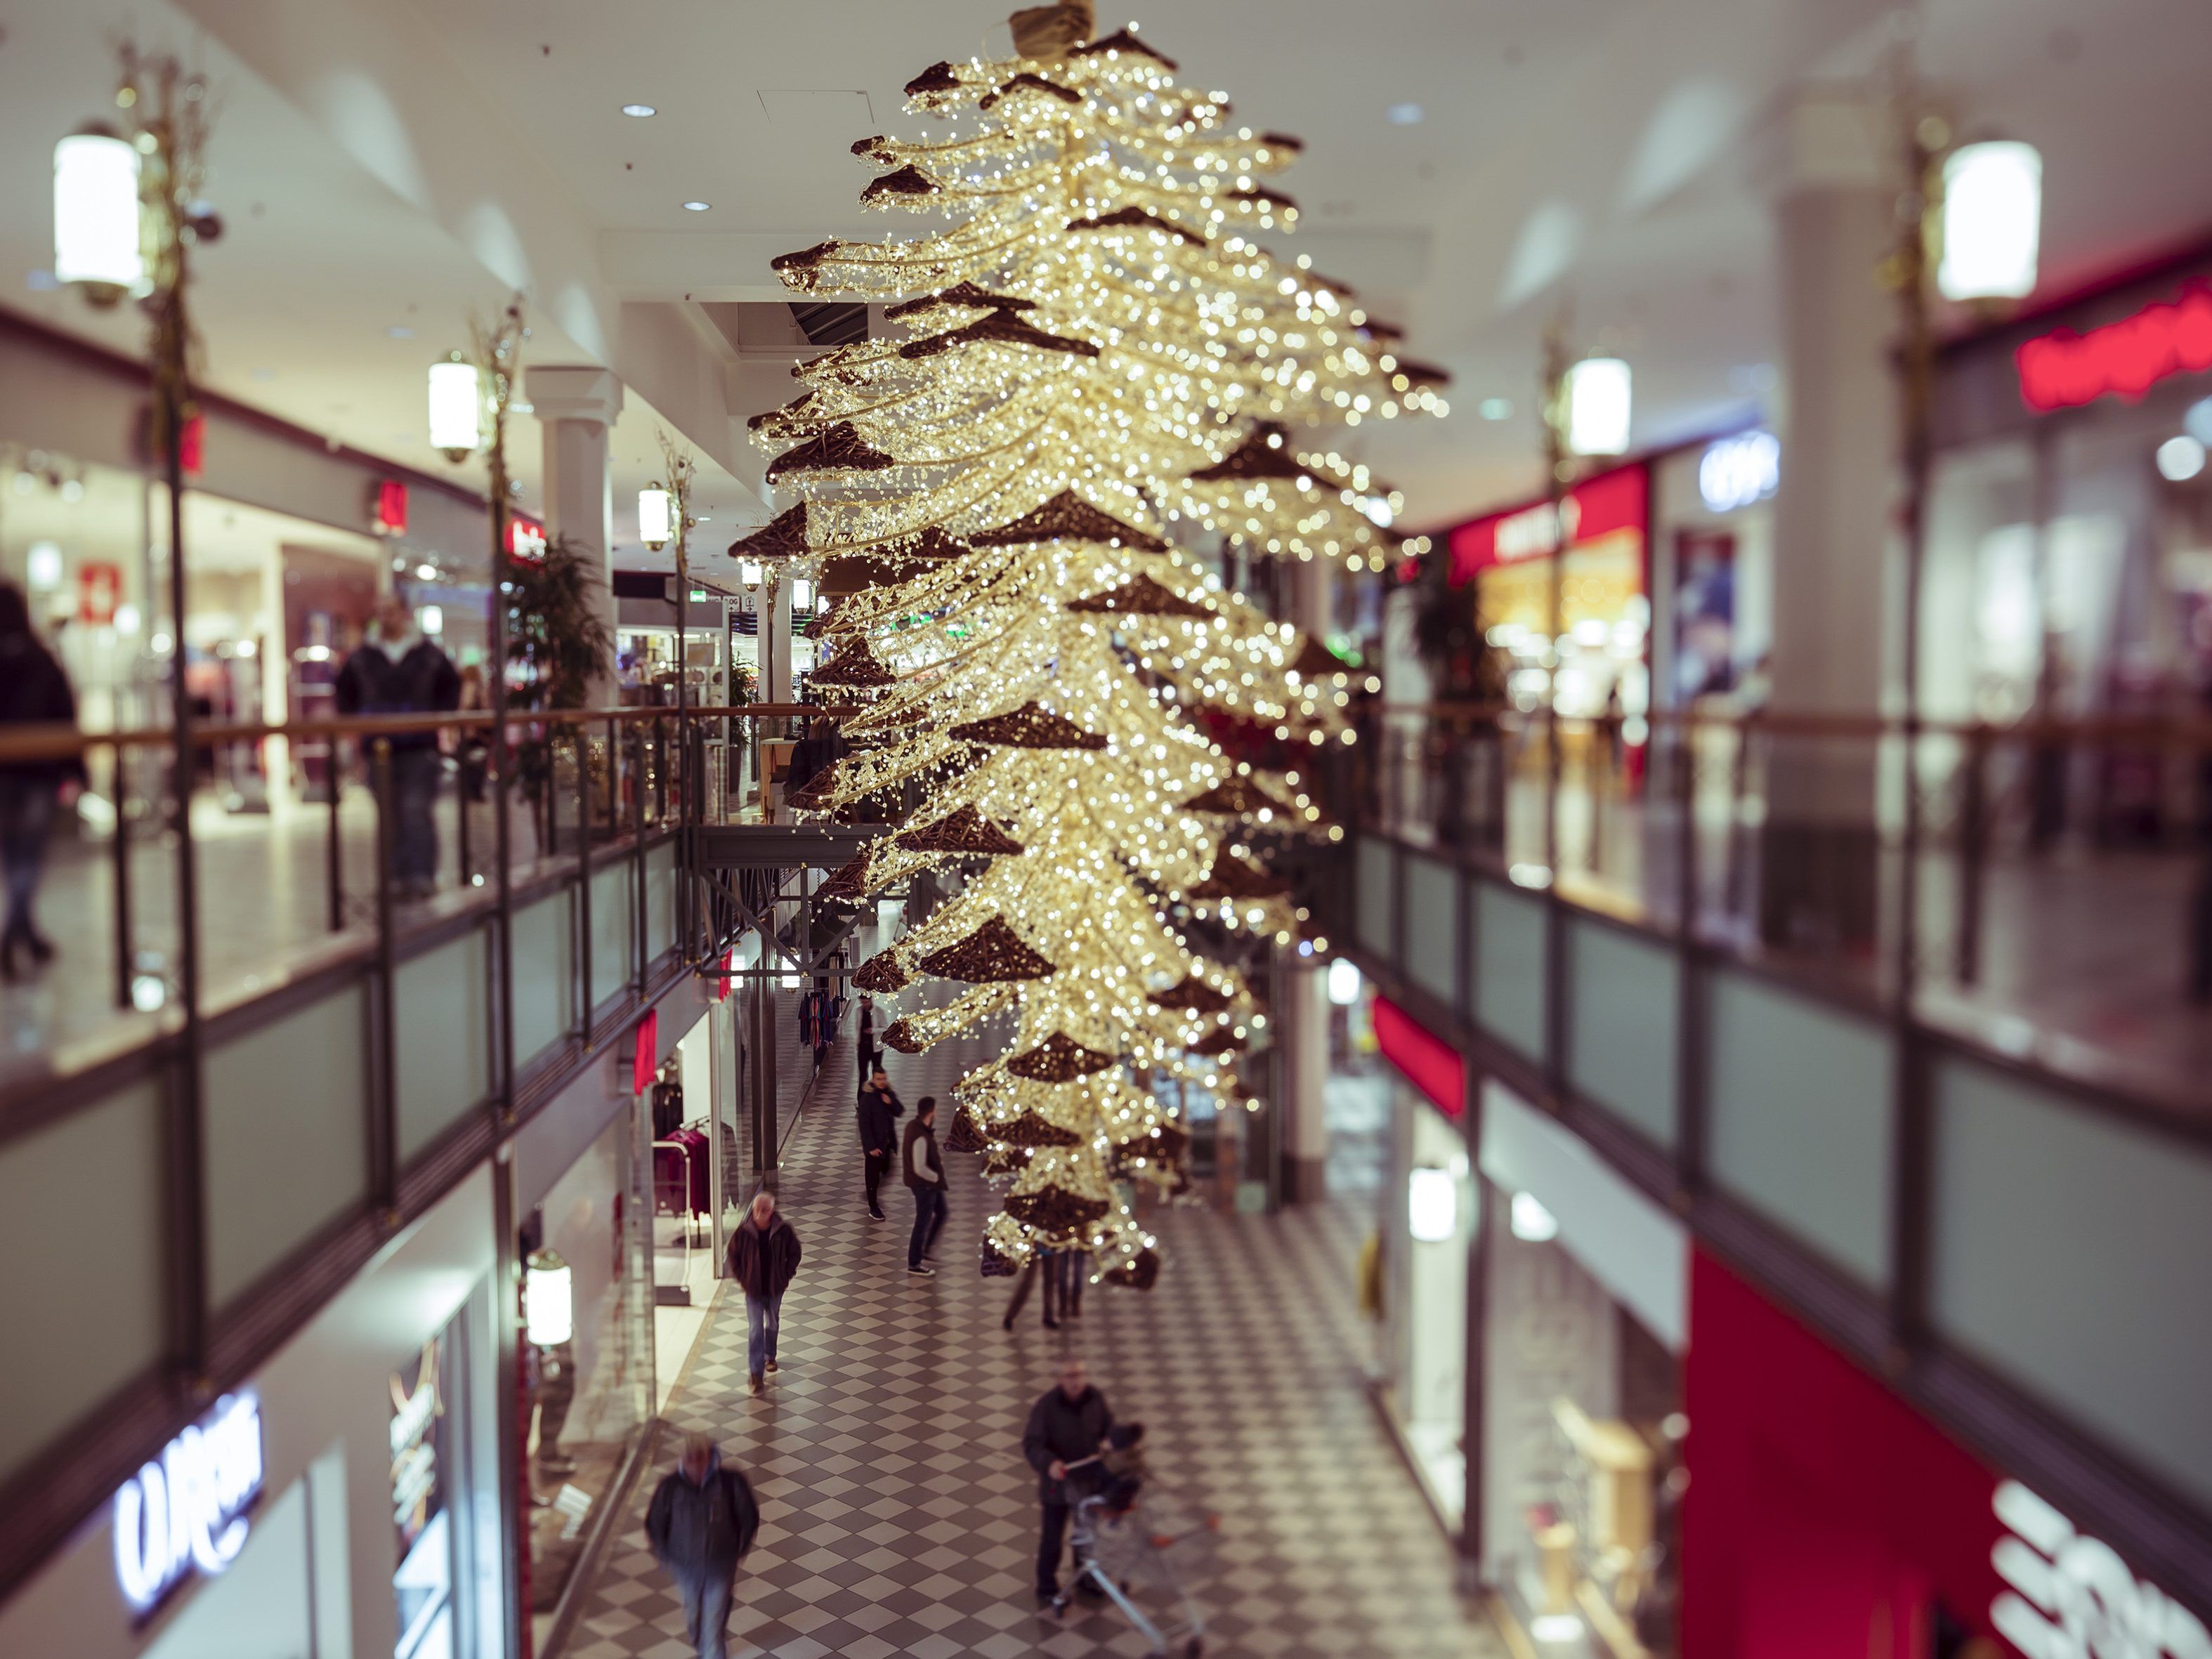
1597 506
1430 1064
2063 369
723 982
525 539
99 591
388 512
642 1065
191 445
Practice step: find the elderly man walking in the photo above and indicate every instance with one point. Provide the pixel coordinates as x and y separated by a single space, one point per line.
701 1523
763 1256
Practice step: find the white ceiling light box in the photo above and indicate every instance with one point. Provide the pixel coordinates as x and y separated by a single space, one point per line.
1992 221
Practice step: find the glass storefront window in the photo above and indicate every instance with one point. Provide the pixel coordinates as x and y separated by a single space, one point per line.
590 1393
1431 1207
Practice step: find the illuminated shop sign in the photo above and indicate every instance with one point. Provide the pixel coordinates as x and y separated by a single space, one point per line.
2072 1597
525 539
187 1509
1736 472
2063 369
1597 506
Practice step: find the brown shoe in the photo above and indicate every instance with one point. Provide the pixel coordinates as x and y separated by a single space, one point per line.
756 1382
771 1364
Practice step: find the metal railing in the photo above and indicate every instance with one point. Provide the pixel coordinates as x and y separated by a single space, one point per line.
363 1047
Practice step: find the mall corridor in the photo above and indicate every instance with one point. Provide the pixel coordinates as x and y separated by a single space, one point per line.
897 1516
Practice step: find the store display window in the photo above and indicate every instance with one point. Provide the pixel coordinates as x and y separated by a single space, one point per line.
429 1398
587 1345
1582 1423
1431 1210
1511 561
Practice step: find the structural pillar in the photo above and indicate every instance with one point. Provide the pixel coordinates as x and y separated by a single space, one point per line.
776 640
1834 560
576 409
1301 983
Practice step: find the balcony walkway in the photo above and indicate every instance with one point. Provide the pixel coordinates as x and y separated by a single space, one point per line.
898 1517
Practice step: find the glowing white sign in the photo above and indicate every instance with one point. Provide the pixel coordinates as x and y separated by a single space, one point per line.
2073 1598
187 1509
1739 470
1431 1205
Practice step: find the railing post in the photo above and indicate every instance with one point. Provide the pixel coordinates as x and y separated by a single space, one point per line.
583 867
461 811
642 952
1973 853
334 850
126 963
384 1082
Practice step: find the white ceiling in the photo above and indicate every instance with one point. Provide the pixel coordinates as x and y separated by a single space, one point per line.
384 164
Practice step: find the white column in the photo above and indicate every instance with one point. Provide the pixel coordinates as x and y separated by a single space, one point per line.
1835 222
776 640
576 409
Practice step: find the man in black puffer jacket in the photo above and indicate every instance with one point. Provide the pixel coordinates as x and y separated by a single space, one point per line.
1067 1425
701 1523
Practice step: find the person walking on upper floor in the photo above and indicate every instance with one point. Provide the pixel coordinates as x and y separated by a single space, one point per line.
924 1170
33 691
1067 1424
400 672
880 1109
703 1520
763 1256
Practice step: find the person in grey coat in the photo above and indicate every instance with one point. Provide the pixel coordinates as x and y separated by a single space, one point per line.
701 1523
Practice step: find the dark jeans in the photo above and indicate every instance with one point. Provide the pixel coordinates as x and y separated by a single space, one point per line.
1050 1545
929 1208
415 777
27 820
764 1319
707 1592
876 1163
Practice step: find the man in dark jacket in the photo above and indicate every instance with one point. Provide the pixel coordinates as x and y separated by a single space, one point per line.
924 1171
33 691
401 672
763 1256
1068 1424
701 1523
880 1110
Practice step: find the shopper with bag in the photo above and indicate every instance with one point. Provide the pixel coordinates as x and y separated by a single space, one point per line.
703 1521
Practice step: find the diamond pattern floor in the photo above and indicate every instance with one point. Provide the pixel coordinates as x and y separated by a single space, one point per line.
898 1517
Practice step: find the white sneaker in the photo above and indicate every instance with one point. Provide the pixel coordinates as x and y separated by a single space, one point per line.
923 1272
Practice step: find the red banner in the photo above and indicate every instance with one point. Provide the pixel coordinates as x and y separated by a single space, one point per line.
1429 1063
642 1063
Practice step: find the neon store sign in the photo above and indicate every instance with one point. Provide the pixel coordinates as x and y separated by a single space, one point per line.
186 1510
2064 369
2073 1597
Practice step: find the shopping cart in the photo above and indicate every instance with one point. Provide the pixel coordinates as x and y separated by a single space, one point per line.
1143 1556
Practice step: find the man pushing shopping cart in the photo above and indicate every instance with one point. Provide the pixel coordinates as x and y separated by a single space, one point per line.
1137 1544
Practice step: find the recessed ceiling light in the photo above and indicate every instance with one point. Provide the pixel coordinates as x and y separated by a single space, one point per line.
641 111
1493 409
1405 115
2180 459
696 207
400 332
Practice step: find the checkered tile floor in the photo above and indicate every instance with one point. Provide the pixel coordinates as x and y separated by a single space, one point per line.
898 1517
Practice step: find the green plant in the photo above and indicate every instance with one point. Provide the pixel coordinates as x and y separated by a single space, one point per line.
557 629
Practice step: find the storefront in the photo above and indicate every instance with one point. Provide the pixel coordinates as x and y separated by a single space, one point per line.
288 542
1584 1300
1431 1212
584 1207
1712 567
1829 1519
1597 589
344 1501
2069 539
